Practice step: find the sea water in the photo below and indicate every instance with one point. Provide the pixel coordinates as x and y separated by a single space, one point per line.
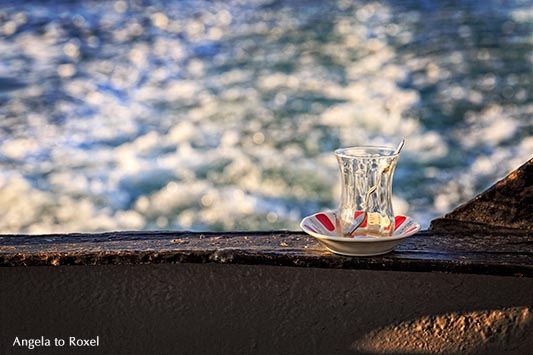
223 115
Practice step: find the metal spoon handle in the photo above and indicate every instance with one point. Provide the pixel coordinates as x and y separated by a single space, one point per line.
399 147
361 218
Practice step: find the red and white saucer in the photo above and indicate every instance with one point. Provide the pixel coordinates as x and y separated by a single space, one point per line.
321 225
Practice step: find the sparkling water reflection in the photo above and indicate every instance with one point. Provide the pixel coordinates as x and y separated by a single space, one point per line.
224 115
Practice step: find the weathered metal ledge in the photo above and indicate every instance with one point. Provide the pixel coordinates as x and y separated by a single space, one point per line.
504 252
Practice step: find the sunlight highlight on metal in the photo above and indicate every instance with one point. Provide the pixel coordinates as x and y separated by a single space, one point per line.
451 333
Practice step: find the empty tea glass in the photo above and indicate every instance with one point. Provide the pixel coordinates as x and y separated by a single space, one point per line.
366 192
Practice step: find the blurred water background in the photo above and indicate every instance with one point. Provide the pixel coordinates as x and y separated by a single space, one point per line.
223 115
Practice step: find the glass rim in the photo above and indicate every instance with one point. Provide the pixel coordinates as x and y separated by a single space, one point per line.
365 151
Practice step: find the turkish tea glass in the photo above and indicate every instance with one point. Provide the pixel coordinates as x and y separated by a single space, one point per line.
361 169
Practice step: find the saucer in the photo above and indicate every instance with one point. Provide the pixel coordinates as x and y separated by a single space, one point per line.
321 225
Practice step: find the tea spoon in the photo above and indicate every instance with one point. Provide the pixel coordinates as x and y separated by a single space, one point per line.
362 217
